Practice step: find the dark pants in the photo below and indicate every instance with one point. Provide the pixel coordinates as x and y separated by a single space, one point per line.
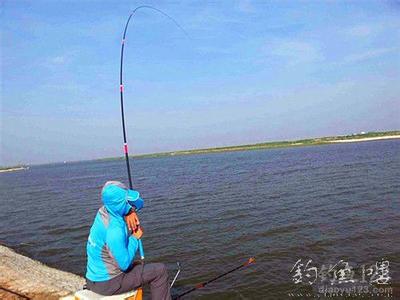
153 273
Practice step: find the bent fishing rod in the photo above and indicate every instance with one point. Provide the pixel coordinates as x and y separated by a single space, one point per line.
126 153
203 284
121 88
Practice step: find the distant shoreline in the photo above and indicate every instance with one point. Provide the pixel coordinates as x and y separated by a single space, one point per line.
13 169
361 137
329 140
389 137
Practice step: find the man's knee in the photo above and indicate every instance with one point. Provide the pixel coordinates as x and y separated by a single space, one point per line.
162 270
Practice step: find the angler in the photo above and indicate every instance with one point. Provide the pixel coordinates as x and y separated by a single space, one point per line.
111 247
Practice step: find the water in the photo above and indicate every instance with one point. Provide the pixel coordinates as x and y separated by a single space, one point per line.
211 212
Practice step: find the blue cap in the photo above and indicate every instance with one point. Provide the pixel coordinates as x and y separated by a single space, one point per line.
134 200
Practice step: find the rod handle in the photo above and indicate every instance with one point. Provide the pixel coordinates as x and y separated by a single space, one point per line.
141 251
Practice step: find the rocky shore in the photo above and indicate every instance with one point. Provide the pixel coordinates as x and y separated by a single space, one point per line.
25 278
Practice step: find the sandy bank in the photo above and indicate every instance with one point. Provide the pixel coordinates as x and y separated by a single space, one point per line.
367 139
33 280
12 169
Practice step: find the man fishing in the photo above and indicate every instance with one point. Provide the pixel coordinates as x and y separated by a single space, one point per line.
111 248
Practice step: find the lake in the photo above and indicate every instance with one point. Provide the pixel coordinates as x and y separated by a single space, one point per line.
211 212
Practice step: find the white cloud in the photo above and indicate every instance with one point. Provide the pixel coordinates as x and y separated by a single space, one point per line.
372 29
361 30
62 58
245 6
214 50
369 54
58 60
208 19
294 51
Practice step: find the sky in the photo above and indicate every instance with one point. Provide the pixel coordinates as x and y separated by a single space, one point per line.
246 72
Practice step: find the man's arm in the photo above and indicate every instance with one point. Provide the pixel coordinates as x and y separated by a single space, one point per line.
123 249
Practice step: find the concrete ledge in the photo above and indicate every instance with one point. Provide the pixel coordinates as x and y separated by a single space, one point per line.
22 277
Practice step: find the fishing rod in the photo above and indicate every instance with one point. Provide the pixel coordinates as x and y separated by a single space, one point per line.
126 153
121 88
121 85
203 284
176 275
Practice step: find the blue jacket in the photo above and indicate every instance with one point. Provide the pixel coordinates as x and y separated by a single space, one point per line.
110 247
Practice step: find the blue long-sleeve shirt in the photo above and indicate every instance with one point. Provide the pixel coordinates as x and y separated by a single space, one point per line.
110 248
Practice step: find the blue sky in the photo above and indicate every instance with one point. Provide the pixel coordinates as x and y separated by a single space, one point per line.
251 71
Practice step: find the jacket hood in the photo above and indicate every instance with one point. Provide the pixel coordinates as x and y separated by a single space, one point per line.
114 196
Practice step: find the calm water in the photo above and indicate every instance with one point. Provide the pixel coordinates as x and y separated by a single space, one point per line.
211 212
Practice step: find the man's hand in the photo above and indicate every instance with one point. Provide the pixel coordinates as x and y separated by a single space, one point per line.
138 233
132 220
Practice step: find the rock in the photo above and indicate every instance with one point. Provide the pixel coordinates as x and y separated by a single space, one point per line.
22 278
